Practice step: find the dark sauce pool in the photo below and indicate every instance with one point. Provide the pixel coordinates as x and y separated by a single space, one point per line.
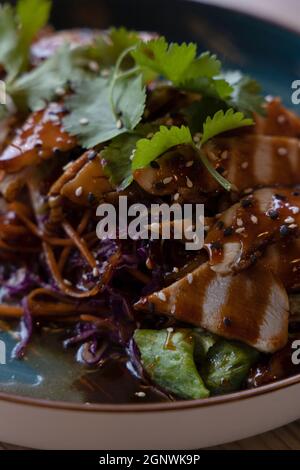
51 372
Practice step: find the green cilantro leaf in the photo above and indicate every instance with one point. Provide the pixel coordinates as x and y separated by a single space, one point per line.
246 93
34 88
169 60
176 62
148 150
223 122
118 154
110 47
33 15
116 157
91 116
8 40
18 27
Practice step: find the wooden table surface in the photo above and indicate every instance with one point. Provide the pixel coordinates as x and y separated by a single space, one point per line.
286 438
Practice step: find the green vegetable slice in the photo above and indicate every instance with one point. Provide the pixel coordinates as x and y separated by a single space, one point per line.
168 359
227 365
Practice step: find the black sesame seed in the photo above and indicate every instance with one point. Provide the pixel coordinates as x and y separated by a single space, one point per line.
227 322
253 258
160 185
221 169
92 154
280 197
220 224
284 230
296 193
273 214
154 164
246 203
91 198
56 151
216 246
228 231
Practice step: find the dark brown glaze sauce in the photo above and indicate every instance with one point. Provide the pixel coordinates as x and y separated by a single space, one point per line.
267 216
283 259
234 306
277 367
41 136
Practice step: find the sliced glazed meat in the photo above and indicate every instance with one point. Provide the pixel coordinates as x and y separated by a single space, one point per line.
278 121
283 259
40 137
246 161
89 183
243 231
253 161
250 306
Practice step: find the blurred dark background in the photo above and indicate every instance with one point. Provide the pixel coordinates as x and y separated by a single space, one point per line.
264 50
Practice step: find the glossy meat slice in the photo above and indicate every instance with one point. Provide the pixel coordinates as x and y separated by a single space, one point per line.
250 306
84 181
246 161
251 161
243 231
278 121
283 259
41 136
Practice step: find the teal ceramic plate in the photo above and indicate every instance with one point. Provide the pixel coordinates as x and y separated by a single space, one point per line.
264 50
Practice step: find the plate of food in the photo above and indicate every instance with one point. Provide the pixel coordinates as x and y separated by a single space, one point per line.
118 334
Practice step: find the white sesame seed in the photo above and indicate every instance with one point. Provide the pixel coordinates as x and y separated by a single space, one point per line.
150 135
105 73
175 269
189 164
212 156
168 180
293 226
154 226
269 98
240 230
289 220
190 278
244 165
224 155
79 191
94 66
67 282
140 394
176 196
206 228
95 272
59 91
295 210
281 119
254 219
173 309
189 183
248 190
119 124
197 138
162 296
282 151
84 121
239 222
